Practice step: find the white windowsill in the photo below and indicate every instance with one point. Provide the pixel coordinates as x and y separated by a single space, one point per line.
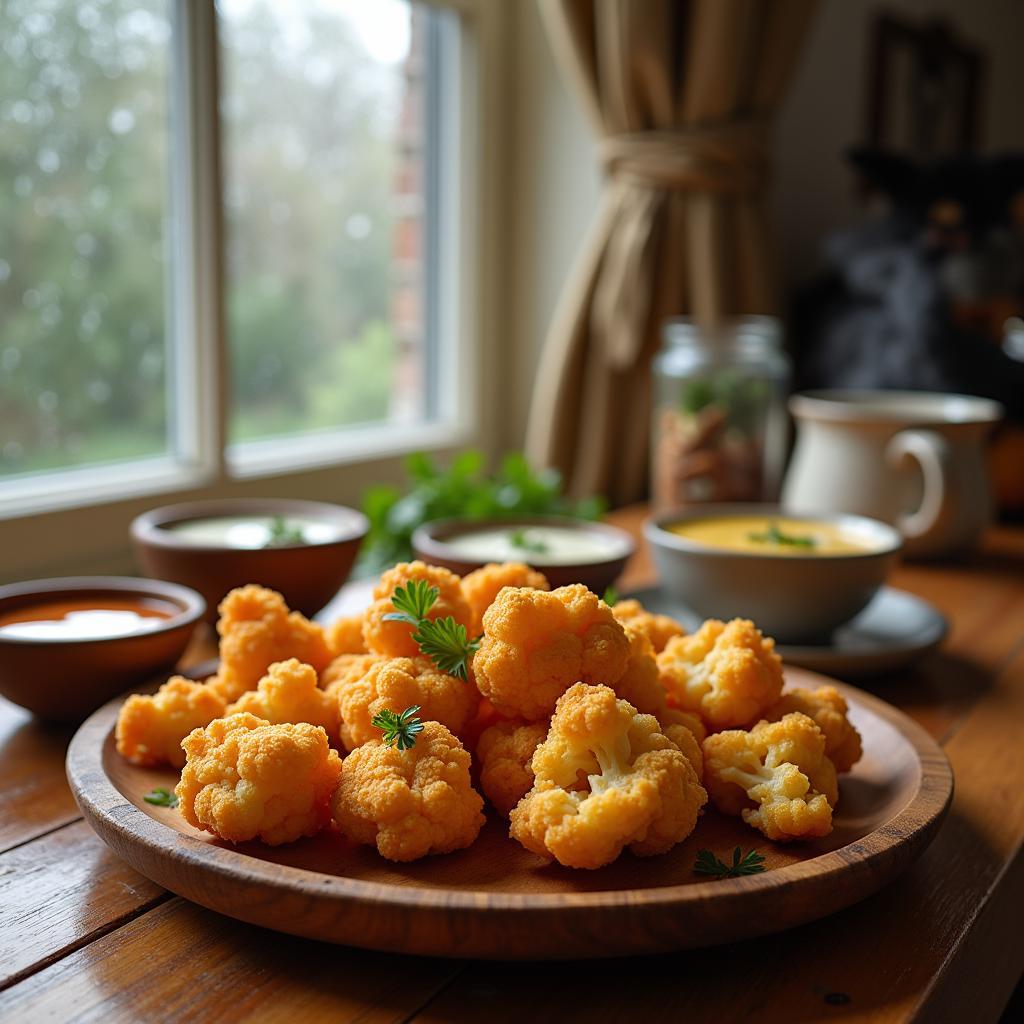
97 485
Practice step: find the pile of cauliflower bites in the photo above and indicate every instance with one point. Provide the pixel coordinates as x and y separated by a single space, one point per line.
592 728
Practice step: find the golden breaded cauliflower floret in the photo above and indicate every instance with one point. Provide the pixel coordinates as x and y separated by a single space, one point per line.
504 751
640 684
640 790
246 779
659 629
409 803
481 587
289 693
345 636
727 673
346 667
150 728
256 629
688 745
536 644
398 683
776 776
394 639
827 707
673 716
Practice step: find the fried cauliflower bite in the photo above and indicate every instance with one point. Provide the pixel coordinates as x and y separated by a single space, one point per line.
537 644
247 779
673 716
659 629
776 777
640 684
398 683
345 636
688 745
289 693
640 790
504 751
828 709
481 587
394 639
727 673
345 667
256 629
150 728
409 803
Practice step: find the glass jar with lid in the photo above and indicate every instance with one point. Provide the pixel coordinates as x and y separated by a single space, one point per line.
719 412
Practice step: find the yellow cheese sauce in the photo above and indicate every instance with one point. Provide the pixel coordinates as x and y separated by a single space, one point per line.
798 538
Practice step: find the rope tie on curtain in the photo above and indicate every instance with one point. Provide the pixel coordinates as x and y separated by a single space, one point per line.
730 158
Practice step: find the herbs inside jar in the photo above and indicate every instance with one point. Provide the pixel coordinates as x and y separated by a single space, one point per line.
719 424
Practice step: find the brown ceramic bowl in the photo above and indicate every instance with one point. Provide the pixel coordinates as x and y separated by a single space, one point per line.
66 679
430 543
307 573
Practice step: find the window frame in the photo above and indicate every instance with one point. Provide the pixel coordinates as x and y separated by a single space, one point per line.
80 523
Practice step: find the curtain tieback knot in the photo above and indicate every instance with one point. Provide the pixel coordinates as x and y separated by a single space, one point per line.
729 158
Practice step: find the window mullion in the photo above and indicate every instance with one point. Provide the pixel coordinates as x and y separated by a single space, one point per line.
200 339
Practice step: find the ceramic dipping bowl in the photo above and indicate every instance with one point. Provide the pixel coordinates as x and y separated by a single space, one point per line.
795 598
567 550
183 543
66 678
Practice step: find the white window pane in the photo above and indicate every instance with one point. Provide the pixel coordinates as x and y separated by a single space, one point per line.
322 107
84 129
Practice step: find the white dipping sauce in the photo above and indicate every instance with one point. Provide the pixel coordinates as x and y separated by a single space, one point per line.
250 531
537 545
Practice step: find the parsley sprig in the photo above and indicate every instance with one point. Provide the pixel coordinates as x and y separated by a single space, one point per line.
774 535
521 539
400 730
162 797
444 641
412 602
749 863
283 533
610 596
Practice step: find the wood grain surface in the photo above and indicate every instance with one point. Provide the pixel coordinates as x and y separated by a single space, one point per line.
944 937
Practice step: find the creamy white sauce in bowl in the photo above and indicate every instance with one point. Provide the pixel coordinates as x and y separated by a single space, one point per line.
252 532
537 545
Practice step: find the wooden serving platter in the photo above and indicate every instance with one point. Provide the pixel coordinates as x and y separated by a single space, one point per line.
496 900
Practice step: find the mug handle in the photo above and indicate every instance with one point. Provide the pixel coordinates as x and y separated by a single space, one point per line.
931 452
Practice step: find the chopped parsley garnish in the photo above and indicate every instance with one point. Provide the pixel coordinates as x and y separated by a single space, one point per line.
162 797
444 641
774 535
400 730
521 539
283 533
749 863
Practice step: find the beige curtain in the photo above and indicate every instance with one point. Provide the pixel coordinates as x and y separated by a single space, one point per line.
680 94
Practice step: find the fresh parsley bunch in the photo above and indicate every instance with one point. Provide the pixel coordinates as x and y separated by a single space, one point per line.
462 489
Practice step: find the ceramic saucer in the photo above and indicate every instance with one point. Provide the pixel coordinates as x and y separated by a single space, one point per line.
895 630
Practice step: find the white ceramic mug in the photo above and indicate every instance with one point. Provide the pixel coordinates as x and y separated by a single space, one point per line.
910 458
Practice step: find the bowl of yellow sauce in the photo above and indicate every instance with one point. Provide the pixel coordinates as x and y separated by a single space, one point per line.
799 577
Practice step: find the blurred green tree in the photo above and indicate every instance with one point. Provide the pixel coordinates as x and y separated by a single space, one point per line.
86 224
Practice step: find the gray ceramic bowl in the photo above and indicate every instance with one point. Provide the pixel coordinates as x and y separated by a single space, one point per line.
792 598
430 543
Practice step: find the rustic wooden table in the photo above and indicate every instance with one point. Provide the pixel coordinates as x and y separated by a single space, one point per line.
83 937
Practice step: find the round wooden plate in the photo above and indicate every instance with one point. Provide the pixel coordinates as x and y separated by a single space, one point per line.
496 900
